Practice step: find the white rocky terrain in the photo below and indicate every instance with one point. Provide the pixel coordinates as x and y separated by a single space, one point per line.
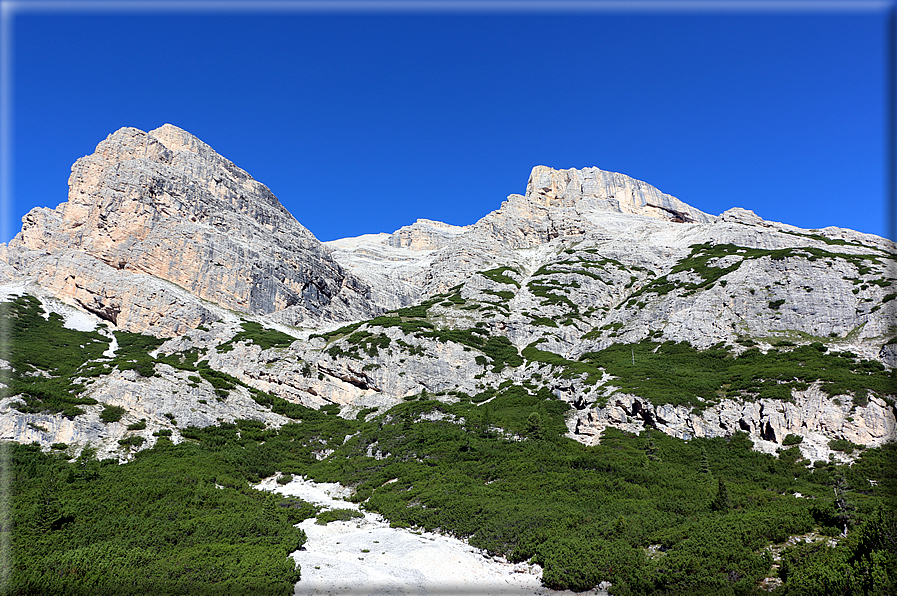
162 236
366 556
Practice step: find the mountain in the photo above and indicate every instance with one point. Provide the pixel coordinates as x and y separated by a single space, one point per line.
173 293
156 223
163 236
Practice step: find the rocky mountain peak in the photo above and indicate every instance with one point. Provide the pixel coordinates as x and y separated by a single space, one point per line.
160 232
163 205
592 188
741 216
178 139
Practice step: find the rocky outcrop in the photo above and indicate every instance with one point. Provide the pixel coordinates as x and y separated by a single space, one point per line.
812 415
131 301
165 403
425 234
829 283
592 189
164 205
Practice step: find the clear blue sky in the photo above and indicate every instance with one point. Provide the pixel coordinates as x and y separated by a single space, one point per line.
364 122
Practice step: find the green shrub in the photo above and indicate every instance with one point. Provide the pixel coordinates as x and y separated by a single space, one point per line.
498 348
331 335
284 479
677 373
844 446
503 294
791 439
143 365
138 425
544 322
157 525
264 338
498 275
111 413
549 295
417 311
571 368
362 414
47 358
133 352
132 441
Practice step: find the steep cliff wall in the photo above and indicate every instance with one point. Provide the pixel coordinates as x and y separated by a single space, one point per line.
147 207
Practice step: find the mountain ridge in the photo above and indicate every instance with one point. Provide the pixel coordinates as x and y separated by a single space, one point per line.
594 382
163 236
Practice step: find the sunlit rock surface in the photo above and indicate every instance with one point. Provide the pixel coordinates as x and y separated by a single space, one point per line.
161 235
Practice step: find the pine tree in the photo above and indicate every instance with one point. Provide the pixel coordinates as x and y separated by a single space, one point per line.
487 417
844 508
46 514
651 449
721 500
705 462
534 426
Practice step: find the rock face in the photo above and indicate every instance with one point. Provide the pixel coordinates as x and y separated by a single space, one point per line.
812 415
592 189
558 204
163 236
831 282
164 205
425 234
394 265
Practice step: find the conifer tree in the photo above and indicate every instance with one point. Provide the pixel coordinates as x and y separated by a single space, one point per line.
844 508
705 462
721 500
534 426
651 449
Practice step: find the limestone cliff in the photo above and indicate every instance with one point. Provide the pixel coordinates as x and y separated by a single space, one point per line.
146 207
161 235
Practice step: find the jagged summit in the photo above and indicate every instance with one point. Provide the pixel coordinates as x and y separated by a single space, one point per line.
163 205
592 188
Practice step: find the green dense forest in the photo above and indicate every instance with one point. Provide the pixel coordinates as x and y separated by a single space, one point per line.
650 513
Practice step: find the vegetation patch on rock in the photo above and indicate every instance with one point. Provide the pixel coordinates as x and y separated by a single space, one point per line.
679 374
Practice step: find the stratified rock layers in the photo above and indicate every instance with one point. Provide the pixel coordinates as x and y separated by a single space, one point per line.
163 205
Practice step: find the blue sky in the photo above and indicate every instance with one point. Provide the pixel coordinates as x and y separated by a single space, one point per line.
362 122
